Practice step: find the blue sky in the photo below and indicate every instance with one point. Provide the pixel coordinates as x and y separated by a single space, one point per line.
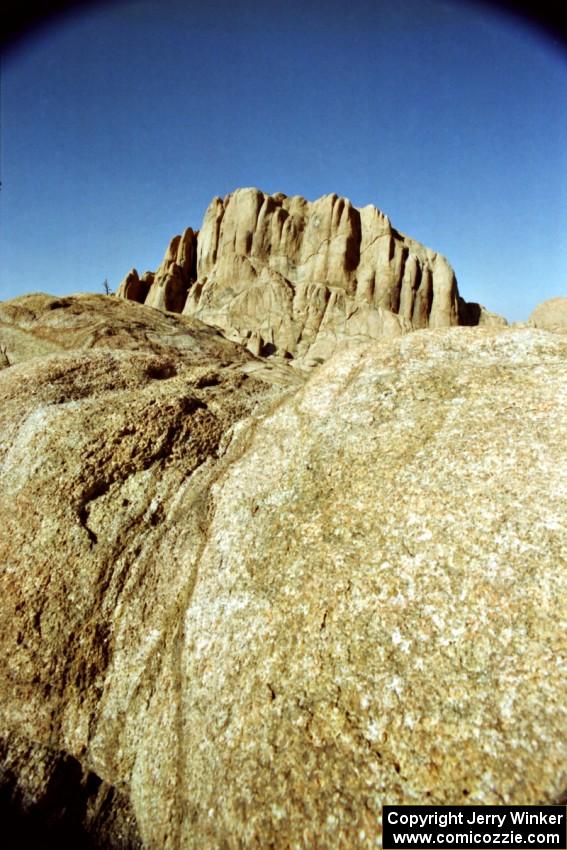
119 124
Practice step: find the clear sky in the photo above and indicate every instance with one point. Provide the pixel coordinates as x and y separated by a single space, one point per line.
120 123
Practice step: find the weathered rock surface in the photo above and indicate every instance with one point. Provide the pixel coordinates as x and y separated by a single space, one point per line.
89 375
472 314
254 615
134 287
551 315
40 324
49 802
289 276
167 288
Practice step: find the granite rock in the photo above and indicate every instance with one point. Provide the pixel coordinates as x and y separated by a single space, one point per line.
299 277
472 314
133 287
255 609
288 269
173 278
550 315
38 324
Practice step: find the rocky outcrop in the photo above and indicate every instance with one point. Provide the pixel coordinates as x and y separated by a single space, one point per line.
247 614
171 282
112 370
550 315
282 274
472 314
167 288
135 288
38 325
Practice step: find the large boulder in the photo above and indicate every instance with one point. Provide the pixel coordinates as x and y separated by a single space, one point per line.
472 314
241 615
550 315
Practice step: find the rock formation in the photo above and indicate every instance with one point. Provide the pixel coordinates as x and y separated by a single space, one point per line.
168 289
472 315
284 275
36 325
550 315
136 288
242 608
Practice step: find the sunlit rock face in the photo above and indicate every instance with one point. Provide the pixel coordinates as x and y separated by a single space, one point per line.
550 315
285 275
242 607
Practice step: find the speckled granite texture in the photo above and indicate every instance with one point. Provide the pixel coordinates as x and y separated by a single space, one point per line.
259 614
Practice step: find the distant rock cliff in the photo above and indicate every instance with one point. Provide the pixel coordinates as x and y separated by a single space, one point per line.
281 274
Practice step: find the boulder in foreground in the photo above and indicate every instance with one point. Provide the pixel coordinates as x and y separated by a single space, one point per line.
255 614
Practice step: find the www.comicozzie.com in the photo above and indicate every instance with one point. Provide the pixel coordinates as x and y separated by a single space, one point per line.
481 827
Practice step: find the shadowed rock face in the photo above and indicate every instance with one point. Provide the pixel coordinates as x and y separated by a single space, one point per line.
246 609
50 802
285 275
